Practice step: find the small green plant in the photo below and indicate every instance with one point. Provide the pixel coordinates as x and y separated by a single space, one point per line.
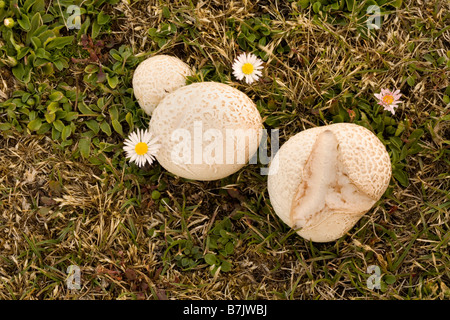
253 33
189 255
344 11
324 7
221 242
33 44
162 35
185 254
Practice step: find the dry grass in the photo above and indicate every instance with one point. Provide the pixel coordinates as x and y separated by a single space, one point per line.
57 212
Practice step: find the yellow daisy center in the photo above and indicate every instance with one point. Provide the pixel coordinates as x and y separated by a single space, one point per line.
388 99
247 68
141 148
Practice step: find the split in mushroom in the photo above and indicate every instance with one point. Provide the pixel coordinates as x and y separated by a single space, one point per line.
327 179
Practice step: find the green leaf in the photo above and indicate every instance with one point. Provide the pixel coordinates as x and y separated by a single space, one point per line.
36 22
416 134
84 109
334 6
55 133
46 18
114 112
43 54
210 259
36 42
70 116
44 128
66 132
35 124
93 125
350 4
101 103
411 81
39 6
59 42
58 125
44 36
162 42
224 234
402 177
22 53
53 107
166 12
60 63
91 68
27 5
105 128
389 279
316 7
50 117
397 142
397 4
229 248
446 99
129 120
18 71
84 27
112 81
103 18
152 32
84 145
225 266
95 29
14 7
5 126
56 96
304 3
117 126
24 22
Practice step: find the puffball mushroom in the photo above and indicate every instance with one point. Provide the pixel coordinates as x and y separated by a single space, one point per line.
207 130
157 76
324 179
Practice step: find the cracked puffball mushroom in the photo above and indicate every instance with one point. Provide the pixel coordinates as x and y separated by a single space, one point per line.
207 130
324 179
156 77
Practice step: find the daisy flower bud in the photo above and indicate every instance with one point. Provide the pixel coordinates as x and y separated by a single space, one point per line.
9 22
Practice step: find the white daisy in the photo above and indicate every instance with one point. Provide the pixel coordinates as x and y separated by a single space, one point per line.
247 66
141 147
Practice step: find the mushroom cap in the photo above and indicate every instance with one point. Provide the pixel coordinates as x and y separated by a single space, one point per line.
207 130
324 179
157 76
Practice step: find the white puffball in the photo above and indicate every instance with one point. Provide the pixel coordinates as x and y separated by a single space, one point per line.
324 179
156 77
207 130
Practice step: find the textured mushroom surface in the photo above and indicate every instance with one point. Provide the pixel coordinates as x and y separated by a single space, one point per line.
324 179
157 76
207 130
